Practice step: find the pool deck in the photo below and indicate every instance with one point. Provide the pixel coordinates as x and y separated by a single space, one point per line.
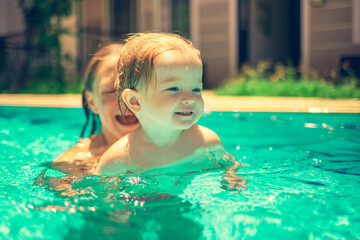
212 103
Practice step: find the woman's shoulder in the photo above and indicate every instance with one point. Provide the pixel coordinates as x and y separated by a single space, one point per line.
79 150
79 160
206 135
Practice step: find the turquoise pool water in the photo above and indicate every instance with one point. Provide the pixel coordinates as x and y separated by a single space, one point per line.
303 173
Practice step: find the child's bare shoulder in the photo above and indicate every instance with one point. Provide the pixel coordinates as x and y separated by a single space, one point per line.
206 135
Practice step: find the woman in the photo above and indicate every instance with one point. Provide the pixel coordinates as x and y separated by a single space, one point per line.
99 100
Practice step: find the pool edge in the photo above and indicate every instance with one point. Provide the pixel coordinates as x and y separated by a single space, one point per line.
212 103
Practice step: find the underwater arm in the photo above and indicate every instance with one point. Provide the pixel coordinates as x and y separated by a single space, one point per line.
232 181
113 166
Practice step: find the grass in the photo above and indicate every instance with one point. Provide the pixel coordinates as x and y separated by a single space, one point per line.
284 81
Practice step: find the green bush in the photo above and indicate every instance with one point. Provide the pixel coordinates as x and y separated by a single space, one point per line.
280 80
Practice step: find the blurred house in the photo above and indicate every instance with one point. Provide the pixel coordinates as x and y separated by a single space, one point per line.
330 35
319 35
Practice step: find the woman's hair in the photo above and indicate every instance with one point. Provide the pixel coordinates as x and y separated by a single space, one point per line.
136 62
103 55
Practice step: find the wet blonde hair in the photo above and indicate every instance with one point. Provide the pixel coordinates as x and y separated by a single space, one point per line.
136 61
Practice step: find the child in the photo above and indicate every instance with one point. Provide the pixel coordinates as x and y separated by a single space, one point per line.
160 81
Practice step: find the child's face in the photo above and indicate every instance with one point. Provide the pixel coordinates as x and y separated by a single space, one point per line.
105 99
173 100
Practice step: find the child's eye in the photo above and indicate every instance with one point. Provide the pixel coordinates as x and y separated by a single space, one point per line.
197 90
175 89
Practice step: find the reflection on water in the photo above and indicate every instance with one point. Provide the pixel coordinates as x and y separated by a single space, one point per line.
139 205
124 206
302 183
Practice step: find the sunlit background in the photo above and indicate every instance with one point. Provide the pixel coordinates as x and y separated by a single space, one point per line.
301 159
245 44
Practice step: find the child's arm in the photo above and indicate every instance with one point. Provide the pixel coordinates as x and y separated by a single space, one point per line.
209 137
232 181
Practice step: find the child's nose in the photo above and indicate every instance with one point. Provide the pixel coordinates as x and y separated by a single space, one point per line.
188 99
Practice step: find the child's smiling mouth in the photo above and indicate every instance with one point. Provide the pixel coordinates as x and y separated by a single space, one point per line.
126 120
185 114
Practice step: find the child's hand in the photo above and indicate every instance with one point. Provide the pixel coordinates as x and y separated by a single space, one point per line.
233 182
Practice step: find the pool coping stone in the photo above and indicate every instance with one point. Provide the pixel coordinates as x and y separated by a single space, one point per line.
212 103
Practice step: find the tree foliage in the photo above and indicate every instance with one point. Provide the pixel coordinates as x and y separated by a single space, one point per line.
42 46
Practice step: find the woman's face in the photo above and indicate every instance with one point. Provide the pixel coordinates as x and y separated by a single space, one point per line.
105 104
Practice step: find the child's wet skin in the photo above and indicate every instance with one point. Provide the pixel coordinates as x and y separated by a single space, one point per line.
174 101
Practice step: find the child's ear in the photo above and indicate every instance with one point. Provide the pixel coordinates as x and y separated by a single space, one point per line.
131 99
89 96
